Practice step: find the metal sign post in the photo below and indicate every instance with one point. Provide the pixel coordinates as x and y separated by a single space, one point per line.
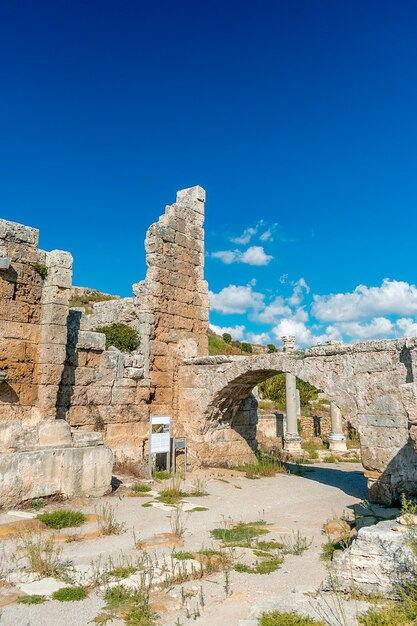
159 438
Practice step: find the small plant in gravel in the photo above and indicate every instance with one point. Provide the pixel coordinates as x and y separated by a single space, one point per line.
296 544
198 508
70 594
263 567
33 599
63 518
107 523
139 488
277 618
241 534
173 493
176 521
199 488
41 554
182 556
131 605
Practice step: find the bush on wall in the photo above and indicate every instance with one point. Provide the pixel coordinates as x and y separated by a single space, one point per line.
121 336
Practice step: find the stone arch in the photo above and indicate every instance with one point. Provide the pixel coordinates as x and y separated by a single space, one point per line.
228 423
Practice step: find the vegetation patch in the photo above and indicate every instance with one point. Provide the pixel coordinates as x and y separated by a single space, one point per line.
274 389
86 301
122 571
70 594
182 556
276 618
147 504
41 554
241 534
33 599
41 270
162 475
198 508
396 613
121 336
217 345
141 488
262 465
65 518
37 504
263 567
131 605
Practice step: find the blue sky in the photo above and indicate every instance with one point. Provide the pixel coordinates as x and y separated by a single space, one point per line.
298 118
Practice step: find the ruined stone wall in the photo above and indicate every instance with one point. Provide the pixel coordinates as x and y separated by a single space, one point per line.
34 290
113 392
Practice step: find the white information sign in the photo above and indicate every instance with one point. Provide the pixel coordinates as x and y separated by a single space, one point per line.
160 435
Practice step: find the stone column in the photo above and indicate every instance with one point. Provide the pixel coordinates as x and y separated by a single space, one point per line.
337 439
292 440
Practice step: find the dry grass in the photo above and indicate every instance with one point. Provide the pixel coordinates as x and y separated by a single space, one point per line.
137 469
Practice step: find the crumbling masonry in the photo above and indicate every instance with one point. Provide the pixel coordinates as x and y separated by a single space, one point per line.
67 404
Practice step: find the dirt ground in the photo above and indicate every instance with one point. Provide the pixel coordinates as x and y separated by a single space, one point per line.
300 502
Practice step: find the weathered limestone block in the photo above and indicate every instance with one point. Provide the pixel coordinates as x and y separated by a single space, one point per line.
89 340
377 563
54 433
83 438
70 471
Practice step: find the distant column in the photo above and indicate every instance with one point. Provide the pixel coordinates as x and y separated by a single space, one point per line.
337 440
292 440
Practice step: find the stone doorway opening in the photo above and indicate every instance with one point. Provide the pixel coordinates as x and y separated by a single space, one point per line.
272 411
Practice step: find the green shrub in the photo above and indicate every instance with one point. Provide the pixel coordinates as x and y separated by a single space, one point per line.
121 336
271 347
70 594
276 618
41 270
33 599
247 347
64 518
227 337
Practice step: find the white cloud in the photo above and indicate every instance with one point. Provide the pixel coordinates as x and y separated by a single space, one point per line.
270 313
246 236
254 255
406 327
392 297
267 235
236 299
300 286
226 256
303 335
377 327
262 338
237 332
251 231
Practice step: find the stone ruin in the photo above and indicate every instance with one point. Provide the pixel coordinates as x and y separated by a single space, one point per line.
68 404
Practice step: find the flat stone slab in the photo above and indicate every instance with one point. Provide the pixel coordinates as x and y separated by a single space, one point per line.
23 514
43 587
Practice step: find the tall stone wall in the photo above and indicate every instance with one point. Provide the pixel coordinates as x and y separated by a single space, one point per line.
115 392
34 290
